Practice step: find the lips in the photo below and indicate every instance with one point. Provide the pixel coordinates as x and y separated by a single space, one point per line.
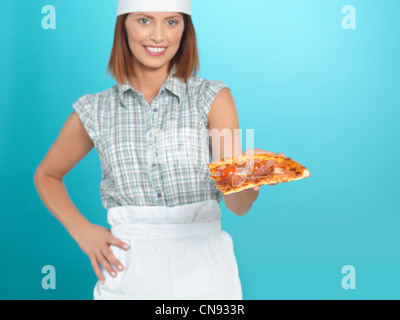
155 51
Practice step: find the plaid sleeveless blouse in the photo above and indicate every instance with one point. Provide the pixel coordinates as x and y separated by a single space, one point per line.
152 154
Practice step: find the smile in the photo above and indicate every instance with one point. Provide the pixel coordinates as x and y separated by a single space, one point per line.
155 51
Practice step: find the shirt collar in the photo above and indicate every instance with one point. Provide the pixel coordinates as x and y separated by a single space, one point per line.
175 85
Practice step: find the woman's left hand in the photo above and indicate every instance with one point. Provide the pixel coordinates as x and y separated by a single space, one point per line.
261 151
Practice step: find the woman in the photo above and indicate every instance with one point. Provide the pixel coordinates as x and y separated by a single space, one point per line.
166 240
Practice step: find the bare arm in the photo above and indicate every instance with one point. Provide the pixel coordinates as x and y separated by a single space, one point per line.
71 146
223 118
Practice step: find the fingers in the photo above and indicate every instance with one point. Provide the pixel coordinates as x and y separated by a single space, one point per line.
96 268
261 151
118 243
111 258
257 151
107 259
105 264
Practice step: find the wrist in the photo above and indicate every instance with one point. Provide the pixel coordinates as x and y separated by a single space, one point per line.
78 228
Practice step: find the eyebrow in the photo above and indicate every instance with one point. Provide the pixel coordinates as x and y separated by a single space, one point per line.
146 15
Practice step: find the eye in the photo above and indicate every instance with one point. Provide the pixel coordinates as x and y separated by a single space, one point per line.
143 19
173 22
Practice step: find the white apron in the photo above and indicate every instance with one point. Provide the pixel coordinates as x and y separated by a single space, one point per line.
175 253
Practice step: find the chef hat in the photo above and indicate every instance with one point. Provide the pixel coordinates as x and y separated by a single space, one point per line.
128 6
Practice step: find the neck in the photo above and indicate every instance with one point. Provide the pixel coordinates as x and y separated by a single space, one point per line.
147 80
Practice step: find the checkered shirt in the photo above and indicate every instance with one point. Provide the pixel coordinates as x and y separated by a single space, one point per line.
152 154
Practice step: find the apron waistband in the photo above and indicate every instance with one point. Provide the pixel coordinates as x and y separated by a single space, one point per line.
139 231
202 211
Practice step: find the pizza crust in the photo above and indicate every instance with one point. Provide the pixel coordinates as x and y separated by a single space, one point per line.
250 184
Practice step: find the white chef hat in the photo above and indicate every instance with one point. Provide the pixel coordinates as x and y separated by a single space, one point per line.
128 6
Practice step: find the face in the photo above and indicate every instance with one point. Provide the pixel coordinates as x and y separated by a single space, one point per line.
154 37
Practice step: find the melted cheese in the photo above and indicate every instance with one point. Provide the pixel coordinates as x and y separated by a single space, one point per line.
277 170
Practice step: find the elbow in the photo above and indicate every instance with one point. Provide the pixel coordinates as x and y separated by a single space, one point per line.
239 212
37 175
36 178
240 203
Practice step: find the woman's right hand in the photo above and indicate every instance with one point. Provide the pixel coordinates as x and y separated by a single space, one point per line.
95 241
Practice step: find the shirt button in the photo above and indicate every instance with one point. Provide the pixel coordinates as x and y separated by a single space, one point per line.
155 110
162 91
159 195
153 164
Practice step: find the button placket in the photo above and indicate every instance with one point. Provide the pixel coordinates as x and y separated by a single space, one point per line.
154 110
153 174
154 106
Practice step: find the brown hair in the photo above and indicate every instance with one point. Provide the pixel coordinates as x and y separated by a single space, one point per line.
186 59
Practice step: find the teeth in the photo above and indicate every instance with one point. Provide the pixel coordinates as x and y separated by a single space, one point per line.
155 49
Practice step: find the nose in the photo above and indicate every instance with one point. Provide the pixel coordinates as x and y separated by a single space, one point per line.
157 33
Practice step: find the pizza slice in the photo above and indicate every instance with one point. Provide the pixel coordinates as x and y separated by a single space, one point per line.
248 171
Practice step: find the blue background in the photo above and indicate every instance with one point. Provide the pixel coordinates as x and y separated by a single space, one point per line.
325 96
